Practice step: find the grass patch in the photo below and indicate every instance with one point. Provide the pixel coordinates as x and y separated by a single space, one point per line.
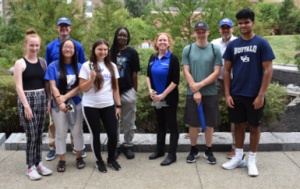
284 47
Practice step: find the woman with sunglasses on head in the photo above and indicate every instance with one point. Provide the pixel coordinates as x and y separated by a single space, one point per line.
66 104
101 101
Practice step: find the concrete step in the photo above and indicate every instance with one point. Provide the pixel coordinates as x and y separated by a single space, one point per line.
269 141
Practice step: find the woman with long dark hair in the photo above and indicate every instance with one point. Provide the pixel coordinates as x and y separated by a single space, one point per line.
101 101
66 104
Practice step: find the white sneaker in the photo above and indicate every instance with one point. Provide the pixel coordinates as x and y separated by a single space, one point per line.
252 169
33 174
43 170
234 163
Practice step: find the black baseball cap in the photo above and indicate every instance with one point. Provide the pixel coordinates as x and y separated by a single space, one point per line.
201 25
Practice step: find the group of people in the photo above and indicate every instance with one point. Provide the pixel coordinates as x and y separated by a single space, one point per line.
237 68
71 89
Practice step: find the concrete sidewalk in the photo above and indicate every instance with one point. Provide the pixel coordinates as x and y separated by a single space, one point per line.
276 170
278 164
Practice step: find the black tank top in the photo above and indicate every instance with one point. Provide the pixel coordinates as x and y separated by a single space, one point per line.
33 76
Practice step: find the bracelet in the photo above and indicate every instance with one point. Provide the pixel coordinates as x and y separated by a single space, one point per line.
118 106
57 96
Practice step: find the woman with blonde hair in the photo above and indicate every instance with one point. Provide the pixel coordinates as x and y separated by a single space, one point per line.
162 81
33 94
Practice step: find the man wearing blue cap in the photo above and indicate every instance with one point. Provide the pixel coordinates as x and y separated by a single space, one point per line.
226 30
202 63
64 27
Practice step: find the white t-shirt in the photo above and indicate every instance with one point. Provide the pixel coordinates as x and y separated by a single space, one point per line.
222 45
104 97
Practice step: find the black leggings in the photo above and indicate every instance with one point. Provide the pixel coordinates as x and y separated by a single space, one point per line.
107 115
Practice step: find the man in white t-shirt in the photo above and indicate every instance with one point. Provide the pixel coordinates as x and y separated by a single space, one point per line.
226 29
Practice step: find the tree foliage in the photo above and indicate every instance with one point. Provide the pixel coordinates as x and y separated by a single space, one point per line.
178 17
107 18
267 14
42 16
136 7
289 16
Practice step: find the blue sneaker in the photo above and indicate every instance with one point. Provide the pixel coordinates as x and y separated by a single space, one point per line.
83 154
51 155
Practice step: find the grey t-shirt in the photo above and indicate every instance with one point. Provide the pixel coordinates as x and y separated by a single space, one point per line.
202 61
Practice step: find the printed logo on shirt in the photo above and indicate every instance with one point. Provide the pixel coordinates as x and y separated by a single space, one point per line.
105 75
251 48
70 80
121 63
164 64
245 58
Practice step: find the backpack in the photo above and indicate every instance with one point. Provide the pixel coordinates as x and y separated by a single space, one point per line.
212 46
43 63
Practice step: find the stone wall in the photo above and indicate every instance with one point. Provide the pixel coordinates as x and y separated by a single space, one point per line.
285 77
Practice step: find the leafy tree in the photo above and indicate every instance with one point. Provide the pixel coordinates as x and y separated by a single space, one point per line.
178 17
136 7
110 16
289 16
267 13
42 16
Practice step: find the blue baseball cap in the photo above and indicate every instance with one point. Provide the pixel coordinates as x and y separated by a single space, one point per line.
226 21
64 20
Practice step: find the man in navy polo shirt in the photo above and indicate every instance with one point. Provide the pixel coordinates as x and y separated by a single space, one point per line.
64 27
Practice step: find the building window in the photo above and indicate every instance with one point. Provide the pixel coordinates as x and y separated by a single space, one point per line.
88 8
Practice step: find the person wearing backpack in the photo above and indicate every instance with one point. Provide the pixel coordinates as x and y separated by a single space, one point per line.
33 102
201 66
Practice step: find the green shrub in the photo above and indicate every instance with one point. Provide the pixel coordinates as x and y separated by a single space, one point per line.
276 101
9 117
144 55
9 121
146 119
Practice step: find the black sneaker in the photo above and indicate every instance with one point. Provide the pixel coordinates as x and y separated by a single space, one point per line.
101 166
118 152
210 158
114 164
128 152
192 156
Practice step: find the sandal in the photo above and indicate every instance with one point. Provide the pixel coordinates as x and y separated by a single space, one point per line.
80 163
61 166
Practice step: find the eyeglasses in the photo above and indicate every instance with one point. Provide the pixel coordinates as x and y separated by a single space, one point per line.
68 48
244 23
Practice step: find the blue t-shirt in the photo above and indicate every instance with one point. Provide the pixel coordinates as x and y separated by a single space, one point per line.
247 70
52 73
52 51
160 71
